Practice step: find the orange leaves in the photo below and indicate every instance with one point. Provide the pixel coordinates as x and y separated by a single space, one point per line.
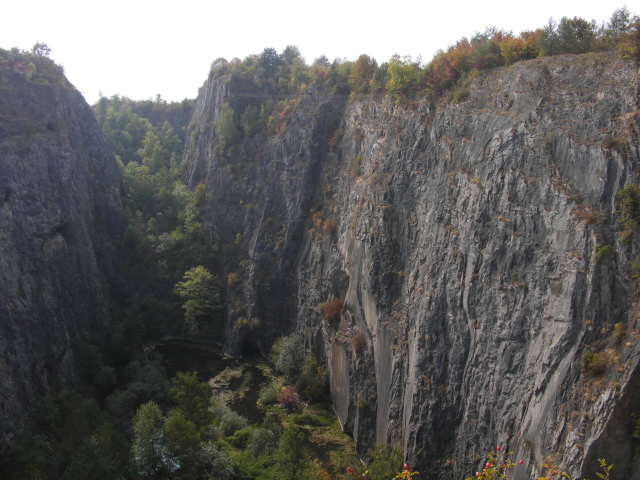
358 342
363 70
330 226
332 309
523 47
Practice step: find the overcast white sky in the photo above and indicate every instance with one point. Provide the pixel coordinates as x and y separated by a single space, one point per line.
140 48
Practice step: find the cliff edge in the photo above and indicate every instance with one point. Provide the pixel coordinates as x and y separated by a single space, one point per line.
60 210
477 248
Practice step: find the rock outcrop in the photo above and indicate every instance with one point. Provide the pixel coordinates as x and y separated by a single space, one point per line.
60 209
476 245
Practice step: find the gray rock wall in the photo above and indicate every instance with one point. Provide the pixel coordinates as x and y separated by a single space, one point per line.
260 203
466 253
59 210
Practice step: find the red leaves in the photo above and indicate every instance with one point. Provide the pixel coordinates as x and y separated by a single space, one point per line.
288 397
332 309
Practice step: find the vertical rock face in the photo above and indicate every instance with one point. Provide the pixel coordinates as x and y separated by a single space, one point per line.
59 210
477 248
474 241
260 203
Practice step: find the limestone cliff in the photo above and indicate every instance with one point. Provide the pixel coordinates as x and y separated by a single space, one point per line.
476 245
59 210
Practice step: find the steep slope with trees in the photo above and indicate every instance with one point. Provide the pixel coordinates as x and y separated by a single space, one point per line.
454 254
456 242
60 210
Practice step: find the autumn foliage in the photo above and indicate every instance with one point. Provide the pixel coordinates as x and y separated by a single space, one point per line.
332 309
288 397
358 342
330 226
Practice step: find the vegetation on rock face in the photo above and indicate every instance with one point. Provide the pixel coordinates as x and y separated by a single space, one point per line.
166 264
405 78
629 206
35 65
199 289
331 310
290 357
164 244
127 421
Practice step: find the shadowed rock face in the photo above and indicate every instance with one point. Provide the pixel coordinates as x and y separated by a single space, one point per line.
469 249
59 209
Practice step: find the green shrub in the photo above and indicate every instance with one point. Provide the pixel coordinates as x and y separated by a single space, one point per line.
385 462
312 381
232 422
194 136
361 402
626 236
290 456
192 398
601 251
215 462
357 164
269 394
264 441
460 95
629 207
308 419
291 357
594 363
240 438
635 268
249 120
618 332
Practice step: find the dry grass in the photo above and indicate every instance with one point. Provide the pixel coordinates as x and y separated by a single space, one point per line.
358 342
330 226
588 215
332 309
476 181
318 218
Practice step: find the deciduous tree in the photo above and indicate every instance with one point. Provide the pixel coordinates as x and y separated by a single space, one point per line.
290 457
402 83
149 452
215 462
199 290
182 442
362 73
575 35
290 357
193 399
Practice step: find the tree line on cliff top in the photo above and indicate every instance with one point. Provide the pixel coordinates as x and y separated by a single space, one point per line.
405 78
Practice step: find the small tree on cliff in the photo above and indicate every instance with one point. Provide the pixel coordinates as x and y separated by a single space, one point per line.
41 49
